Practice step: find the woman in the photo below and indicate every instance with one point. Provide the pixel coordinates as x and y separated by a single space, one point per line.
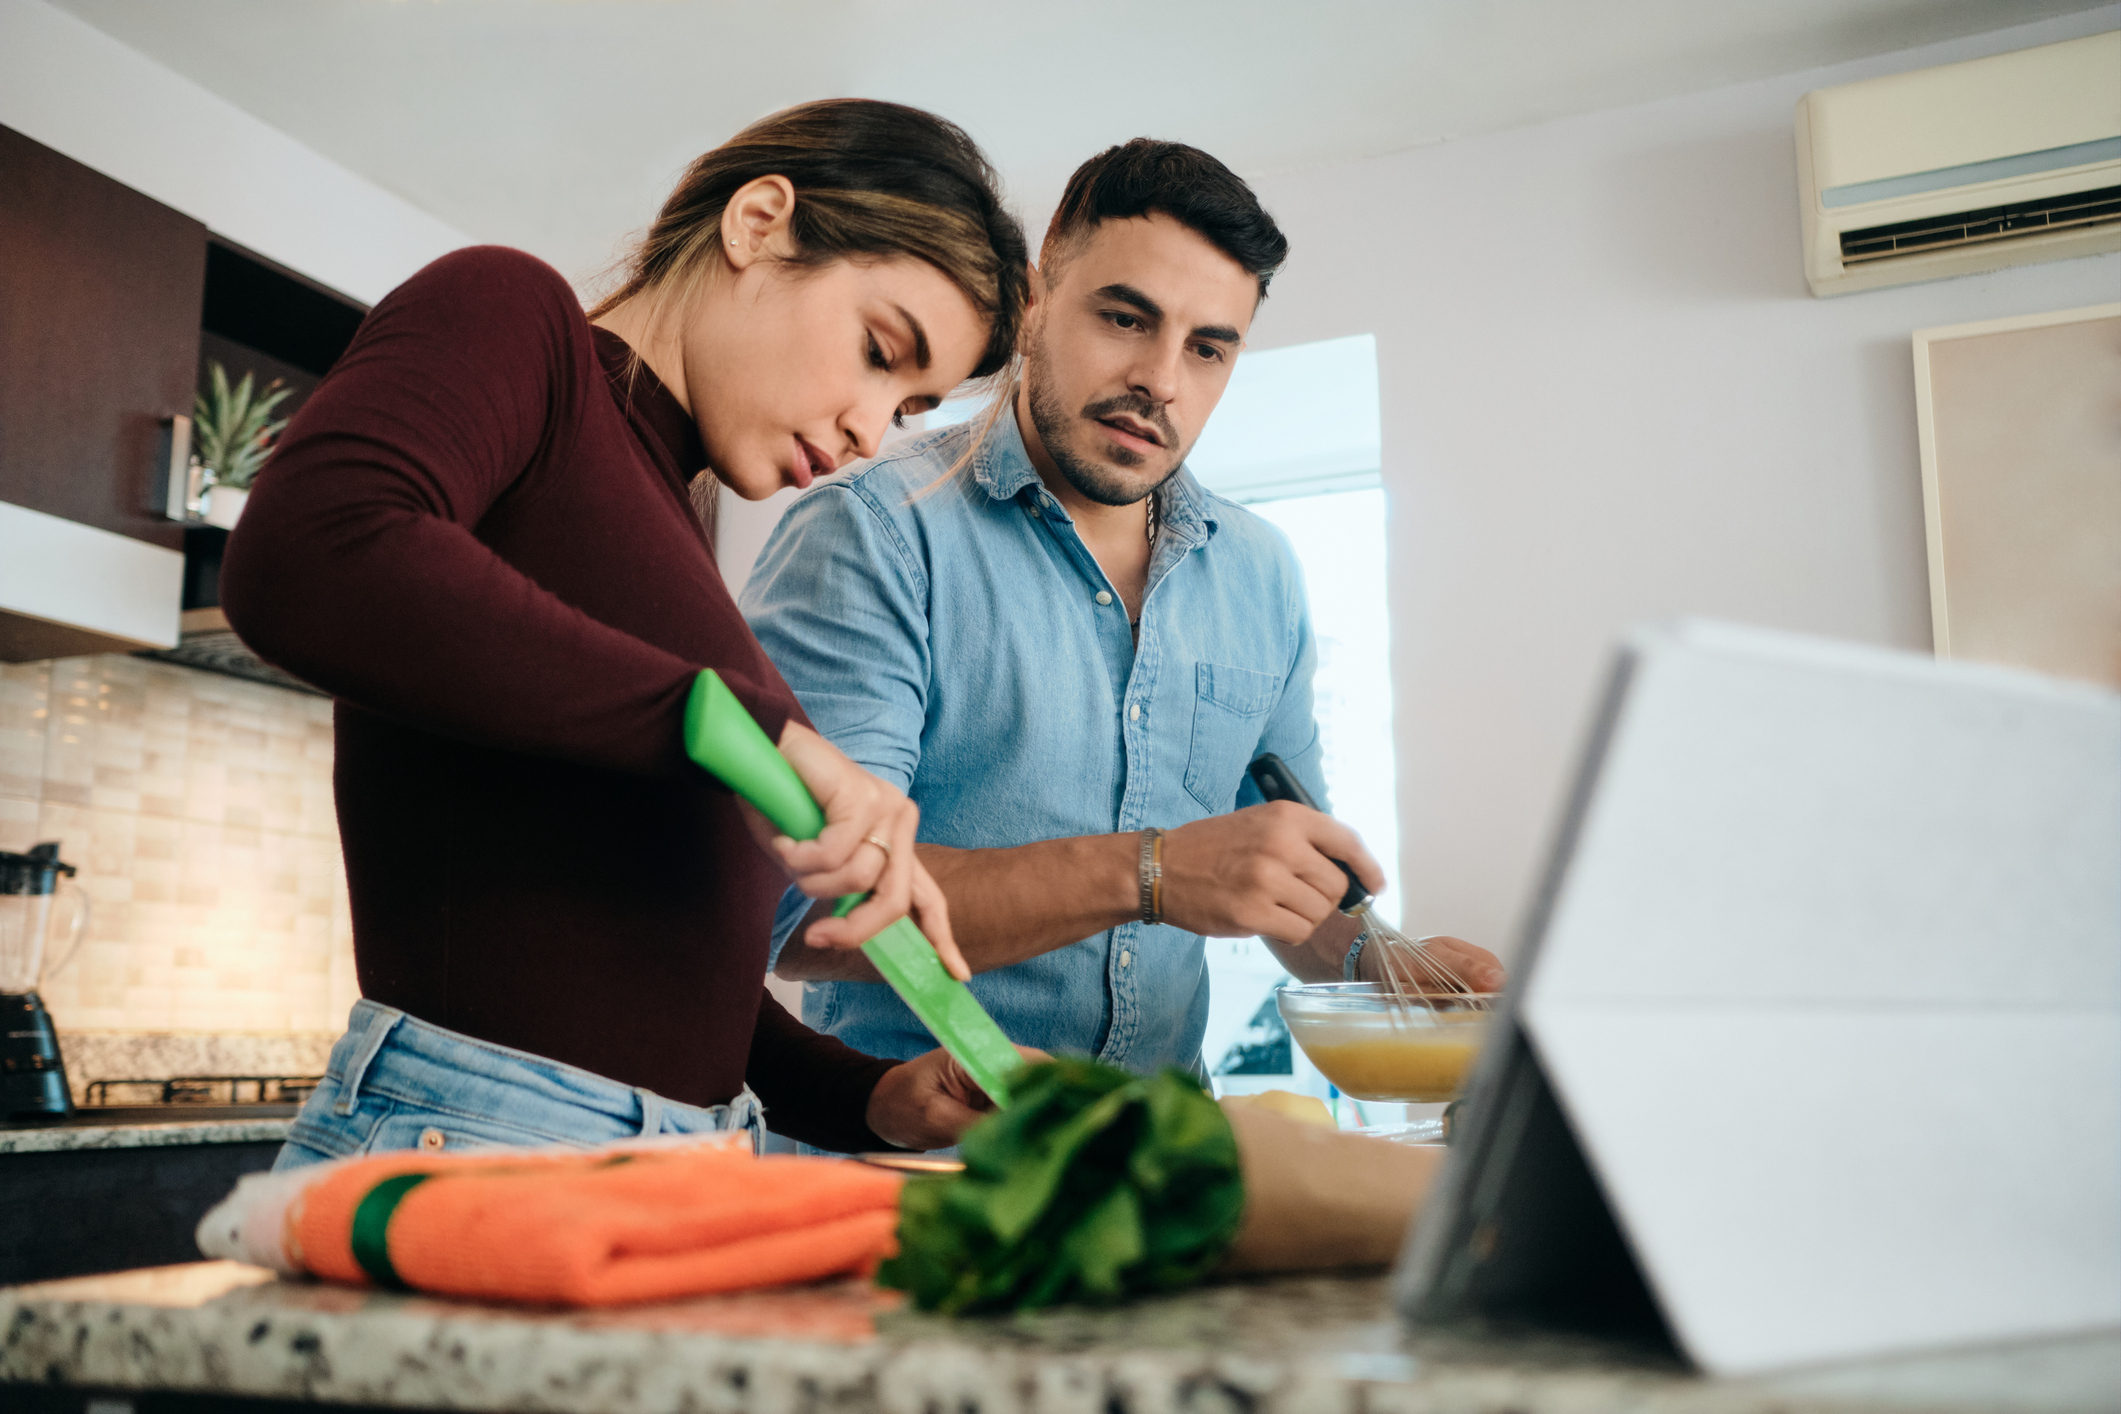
477 536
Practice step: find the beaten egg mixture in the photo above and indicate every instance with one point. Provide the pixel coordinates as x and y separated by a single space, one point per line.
1383 1058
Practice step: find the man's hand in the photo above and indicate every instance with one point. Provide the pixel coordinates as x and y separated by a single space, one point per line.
927 1102
1266 870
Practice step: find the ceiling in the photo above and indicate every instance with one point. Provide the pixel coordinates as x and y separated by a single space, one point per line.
557 125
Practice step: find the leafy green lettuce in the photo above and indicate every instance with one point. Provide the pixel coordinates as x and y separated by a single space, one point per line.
1093 1185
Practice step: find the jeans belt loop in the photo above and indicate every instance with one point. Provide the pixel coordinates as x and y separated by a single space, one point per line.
379 1022
748 1112
651 1111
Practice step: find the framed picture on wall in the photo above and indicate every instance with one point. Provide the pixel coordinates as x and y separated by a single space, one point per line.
2020 425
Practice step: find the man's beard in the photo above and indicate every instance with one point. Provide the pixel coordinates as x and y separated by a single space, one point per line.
1056 425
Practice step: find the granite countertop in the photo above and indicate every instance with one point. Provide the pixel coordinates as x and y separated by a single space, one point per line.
84 1132
1300 1343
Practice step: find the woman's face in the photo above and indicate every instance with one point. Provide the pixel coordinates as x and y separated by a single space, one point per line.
794 372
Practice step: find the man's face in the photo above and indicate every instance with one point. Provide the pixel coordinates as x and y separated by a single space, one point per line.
1129 350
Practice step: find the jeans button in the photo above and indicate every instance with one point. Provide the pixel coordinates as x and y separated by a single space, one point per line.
432 1138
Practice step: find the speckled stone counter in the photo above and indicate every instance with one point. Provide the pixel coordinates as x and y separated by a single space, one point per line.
60 1138
1297 1344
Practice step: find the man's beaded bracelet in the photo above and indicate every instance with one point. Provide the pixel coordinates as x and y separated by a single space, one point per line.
1152 875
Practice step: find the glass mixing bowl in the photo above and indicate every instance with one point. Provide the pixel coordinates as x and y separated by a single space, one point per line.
1375 1047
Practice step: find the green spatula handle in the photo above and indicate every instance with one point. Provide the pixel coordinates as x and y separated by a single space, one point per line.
724 739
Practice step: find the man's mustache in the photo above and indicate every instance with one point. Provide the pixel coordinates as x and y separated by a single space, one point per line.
1136 405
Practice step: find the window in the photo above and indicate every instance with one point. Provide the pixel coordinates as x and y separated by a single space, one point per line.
1297 439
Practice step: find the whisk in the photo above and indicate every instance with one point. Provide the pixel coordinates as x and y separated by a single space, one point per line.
1413 975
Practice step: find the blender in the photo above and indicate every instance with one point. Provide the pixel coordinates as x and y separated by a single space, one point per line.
32 1076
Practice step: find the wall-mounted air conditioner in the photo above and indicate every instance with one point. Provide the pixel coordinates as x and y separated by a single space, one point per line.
1999 161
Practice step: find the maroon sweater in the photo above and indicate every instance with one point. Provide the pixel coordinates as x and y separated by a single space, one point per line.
476 535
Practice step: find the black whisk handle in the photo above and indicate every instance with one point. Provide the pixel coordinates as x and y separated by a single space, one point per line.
1277 782
1357 895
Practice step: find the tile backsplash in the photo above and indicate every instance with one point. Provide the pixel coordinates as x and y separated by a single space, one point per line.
199 811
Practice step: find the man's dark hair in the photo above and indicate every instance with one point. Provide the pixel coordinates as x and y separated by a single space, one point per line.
1181 182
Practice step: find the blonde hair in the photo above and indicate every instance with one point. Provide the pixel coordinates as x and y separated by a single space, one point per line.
871 179
1003 386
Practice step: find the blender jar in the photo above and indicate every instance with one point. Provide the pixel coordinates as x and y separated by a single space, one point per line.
29 884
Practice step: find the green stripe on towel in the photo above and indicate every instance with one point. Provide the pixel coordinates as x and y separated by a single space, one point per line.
371 1226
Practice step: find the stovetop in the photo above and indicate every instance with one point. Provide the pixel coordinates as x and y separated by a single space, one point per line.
190 1092
180 1099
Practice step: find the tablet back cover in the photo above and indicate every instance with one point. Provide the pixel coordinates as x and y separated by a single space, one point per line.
1824 983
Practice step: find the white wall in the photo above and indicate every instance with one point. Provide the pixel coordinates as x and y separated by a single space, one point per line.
741 529
1608 397
75 89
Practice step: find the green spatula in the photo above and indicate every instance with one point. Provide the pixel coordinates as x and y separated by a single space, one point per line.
722 737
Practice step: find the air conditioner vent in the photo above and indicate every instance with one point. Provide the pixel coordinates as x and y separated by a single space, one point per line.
1991 223
2007 160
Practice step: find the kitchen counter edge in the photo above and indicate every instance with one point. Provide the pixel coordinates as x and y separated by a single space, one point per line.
61 1138
1314 1343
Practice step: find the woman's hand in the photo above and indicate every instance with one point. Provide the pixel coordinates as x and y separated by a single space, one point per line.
927 1102
866 848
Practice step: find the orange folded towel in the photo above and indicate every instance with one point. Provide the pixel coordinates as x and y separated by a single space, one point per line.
594 1229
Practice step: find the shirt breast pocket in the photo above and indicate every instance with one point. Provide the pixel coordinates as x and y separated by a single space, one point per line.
1230 708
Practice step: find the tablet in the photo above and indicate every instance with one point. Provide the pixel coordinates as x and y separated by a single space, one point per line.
1813 1048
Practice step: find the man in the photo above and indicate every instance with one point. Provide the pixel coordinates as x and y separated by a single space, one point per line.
1067 652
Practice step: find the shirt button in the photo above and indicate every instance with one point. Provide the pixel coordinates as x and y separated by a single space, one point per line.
432 1138
1104 596
1125 957
1134 711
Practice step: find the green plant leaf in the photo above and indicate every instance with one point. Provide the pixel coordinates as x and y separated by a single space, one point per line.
1027 1187
1106 1242
234 429
276 393
1093 1185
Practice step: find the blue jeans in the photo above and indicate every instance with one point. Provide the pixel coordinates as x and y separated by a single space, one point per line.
395 1082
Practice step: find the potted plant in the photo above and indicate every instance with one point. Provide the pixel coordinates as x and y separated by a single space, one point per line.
233 431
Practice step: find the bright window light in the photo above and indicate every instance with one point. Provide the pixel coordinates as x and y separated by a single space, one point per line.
1340 542
1297 438
1297 421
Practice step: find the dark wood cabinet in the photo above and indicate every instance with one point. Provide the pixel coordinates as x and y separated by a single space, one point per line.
76 1211
100 295
271 318
277 326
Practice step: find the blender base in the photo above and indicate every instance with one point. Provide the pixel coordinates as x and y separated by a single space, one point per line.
32 1075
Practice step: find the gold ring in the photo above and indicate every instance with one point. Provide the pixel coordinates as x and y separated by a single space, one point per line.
872 839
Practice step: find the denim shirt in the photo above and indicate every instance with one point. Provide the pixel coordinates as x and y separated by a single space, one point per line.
953 634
